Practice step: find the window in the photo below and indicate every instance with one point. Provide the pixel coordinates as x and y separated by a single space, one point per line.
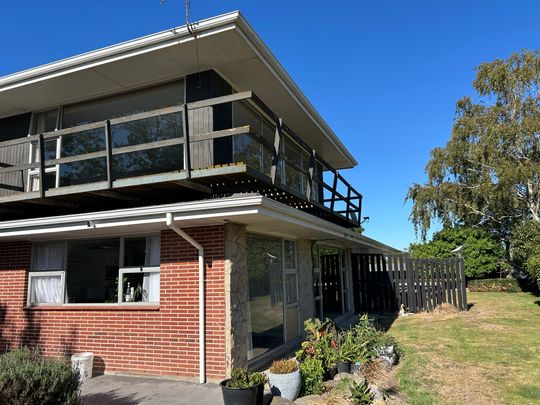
46 280
140 270
273 294
265 275
124 104
98 271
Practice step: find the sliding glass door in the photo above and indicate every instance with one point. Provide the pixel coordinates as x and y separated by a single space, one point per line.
273 294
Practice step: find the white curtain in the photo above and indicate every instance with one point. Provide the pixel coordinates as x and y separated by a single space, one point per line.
152 251
46 289
151 286
49 256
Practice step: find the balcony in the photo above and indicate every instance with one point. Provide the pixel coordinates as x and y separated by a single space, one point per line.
236 145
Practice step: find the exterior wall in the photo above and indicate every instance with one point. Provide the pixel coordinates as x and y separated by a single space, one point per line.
160 340
236 297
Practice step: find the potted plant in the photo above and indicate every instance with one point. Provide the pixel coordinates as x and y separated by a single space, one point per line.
284 379
345 352
243 388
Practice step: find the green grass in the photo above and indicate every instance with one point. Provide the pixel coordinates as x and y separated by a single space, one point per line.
488 355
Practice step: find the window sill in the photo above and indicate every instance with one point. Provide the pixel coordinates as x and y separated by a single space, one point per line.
93 307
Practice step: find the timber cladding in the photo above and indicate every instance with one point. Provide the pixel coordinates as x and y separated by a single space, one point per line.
384 282
158 340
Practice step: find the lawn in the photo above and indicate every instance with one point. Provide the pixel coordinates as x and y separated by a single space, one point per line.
488 355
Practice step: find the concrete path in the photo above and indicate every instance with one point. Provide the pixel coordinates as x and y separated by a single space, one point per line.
118 390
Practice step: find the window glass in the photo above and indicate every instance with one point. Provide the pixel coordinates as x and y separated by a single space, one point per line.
265 275
291 293
45 121
134 251
142 286
49 256
83 172
146 162
124 104
146 130
290 254
92 271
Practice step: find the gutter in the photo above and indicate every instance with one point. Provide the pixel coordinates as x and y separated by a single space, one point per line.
202 333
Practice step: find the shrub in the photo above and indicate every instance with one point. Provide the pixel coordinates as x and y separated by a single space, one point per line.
312 372
320 343
28 378
495 285
482 253
361 394
526 249
240 378
283 366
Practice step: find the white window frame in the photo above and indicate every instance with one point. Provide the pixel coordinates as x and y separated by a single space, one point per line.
62 273
122 269
38 274
134 270
44 273
34 173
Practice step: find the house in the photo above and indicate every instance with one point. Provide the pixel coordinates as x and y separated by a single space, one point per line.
172 204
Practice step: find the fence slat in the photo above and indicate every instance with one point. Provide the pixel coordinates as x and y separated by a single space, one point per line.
465 305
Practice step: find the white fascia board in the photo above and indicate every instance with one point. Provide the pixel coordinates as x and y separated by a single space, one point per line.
215 209
153 214
122 50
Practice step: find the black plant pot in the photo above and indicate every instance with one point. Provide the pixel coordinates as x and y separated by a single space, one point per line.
330 373
242 396
343 367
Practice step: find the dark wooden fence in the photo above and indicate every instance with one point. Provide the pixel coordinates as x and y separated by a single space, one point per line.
384 282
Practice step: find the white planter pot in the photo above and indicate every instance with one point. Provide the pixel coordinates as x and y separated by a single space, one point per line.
285 385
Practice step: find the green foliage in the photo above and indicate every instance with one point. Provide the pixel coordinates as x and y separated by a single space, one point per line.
285 366
368 339
488 173
526 248
312 372
482 252
495 285
320 343
361 394
28 378
240 378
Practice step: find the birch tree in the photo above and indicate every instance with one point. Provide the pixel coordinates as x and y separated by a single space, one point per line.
488 174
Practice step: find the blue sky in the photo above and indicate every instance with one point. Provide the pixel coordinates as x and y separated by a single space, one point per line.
384 74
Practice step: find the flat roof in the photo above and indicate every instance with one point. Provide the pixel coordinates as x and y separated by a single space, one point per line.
226 43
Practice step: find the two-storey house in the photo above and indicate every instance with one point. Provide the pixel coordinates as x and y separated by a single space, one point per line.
172 204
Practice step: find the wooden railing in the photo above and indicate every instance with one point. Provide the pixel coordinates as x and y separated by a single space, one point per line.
154 142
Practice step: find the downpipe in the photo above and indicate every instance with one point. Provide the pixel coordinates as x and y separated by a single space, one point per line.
202 320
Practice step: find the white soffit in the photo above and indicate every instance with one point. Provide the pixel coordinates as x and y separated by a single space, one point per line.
226 43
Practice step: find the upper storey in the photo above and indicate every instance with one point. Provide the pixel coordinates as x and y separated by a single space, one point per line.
142 122
226 44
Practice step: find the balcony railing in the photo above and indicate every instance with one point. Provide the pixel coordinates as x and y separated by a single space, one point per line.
224 134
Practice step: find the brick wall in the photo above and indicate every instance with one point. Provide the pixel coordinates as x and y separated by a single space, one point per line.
160 340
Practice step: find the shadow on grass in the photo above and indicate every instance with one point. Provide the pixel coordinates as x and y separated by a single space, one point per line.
111 397
537 302
469 306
